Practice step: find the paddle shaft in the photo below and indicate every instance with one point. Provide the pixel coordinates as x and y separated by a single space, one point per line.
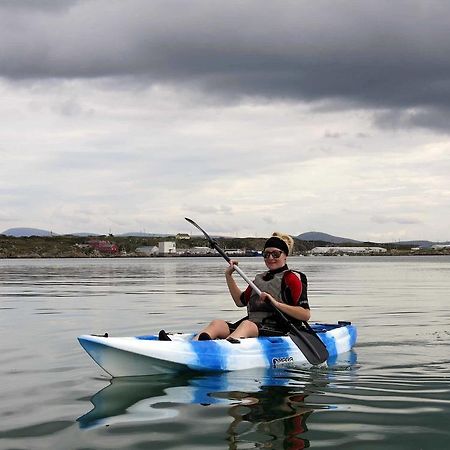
250 282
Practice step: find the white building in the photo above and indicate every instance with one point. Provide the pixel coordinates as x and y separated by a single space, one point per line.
235 252
167 248
147 251
201 251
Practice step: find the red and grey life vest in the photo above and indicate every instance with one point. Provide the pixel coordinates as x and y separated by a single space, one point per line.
274 283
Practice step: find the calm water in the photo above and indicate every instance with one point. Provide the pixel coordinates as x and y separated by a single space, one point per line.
392 392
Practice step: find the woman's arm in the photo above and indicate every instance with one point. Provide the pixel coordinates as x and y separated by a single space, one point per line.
292 288
297 312
232 285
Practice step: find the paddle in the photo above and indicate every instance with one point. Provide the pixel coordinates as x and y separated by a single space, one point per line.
305 339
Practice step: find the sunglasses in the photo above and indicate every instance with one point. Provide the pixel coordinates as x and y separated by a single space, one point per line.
275 254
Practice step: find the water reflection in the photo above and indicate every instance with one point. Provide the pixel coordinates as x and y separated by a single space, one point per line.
263 407
269 407
274 414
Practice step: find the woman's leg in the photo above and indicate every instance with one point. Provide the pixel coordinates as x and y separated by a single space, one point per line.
245 329
216 329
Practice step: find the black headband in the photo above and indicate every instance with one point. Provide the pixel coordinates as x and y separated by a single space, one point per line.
277 243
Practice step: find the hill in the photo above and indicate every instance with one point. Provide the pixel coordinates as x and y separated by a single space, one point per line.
27 232
324 237
423 244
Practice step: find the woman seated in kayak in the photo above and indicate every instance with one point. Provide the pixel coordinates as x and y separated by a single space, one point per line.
281 288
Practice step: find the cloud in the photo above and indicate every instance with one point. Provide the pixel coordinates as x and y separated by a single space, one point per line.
437 118
134 114
384 55
396 220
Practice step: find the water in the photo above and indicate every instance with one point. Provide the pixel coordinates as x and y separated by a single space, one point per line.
392 392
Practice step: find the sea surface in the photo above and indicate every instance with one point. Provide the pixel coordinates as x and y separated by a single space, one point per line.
391 392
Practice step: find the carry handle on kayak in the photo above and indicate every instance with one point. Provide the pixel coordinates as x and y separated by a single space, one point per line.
306 340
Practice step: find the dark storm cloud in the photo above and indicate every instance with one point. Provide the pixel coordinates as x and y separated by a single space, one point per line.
386 55
437 118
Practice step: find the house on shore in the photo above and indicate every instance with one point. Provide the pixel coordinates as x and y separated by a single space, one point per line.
104 246
167 248
147 251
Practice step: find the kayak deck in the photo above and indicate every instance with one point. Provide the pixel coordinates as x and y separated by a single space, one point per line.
146 355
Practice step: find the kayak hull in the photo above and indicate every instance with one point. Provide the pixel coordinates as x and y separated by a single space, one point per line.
146 355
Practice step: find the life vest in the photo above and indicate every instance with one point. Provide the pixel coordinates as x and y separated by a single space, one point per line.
264 314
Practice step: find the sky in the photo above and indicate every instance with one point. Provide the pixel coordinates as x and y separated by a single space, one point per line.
248 117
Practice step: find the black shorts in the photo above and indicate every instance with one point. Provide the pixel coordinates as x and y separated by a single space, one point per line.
263 330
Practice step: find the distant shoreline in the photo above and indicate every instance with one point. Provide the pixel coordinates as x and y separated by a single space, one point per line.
187 256
36 247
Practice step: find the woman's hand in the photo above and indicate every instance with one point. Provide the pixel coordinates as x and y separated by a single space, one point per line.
268 299
230 269
297 312
232 285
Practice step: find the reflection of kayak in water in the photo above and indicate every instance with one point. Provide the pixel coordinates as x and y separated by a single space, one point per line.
157 397
146 355
267 394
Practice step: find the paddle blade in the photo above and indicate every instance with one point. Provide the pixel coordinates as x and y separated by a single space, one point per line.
199 228
310 345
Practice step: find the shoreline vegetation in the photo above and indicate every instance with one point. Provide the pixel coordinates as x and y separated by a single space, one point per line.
130 246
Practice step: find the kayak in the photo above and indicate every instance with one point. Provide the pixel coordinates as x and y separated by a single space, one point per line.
147 355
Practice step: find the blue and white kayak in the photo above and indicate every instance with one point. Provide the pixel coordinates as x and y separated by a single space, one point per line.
146 355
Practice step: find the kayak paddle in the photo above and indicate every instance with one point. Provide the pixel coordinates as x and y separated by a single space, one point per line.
305 339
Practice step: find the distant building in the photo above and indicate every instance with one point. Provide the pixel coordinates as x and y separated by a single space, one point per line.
104 246
347 250
167 248
235 252
182 236
200 251
147 251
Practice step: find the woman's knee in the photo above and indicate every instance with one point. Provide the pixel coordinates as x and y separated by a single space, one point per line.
218 323
249 324
247 328
219 328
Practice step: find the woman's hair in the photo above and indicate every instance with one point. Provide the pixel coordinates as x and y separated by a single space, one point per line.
281 241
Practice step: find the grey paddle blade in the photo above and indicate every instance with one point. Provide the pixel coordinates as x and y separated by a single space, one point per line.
200 228
310 345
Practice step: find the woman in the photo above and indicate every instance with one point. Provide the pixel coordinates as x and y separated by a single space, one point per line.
281 288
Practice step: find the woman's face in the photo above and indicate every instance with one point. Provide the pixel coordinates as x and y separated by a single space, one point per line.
270 254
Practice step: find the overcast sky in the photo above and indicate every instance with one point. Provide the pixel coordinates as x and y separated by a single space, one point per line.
246 116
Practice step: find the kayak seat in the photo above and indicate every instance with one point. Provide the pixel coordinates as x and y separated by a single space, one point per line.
267 332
